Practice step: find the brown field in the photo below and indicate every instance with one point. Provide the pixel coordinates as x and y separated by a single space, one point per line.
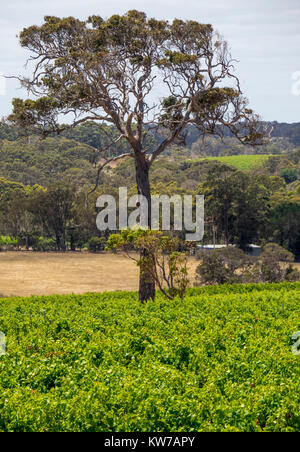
29 273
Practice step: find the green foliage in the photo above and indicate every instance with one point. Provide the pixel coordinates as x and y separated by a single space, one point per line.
242 162
7 132
289 174
71 157
96 244
231 265
172 112
279 253
237 204
269 267
220 266
220 361
253 207
285 220
215 98
158 258
44 244
34 161
6 240
8 243
55 208
8 189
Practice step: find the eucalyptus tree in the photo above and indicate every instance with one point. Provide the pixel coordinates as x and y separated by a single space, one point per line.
136 73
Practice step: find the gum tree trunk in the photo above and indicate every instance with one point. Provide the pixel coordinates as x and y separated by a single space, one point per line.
61 240
146 284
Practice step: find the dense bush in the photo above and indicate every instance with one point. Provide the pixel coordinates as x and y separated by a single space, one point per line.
219 361
219 266
289 174
231 265
44 244
8 243
269 266
96 244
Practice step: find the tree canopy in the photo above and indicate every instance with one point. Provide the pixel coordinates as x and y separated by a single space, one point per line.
107 70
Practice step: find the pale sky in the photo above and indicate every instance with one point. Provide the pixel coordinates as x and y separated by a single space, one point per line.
263 35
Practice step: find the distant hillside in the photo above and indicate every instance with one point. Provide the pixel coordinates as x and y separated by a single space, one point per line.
284 135
289 131
73 156
89 134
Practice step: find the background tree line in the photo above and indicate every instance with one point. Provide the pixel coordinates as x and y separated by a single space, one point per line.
241 207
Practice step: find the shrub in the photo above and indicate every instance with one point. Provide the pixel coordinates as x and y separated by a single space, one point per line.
289 174
292 274
44 244
8 243
277 252
220 266
96 244
231 265
268 267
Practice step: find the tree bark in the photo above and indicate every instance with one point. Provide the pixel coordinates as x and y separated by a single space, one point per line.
146 283
72 242
61 240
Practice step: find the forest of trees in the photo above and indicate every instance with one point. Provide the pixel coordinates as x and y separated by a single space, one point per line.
44 186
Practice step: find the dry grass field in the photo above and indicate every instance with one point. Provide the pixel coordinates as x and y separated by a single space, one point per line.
29 273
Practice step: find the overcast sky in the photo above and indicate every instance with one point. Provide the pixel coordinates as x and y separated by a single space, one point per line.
264 36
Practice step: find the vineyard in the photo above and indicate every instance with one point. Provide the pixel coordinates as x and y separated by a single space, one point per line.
241 162
219 361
